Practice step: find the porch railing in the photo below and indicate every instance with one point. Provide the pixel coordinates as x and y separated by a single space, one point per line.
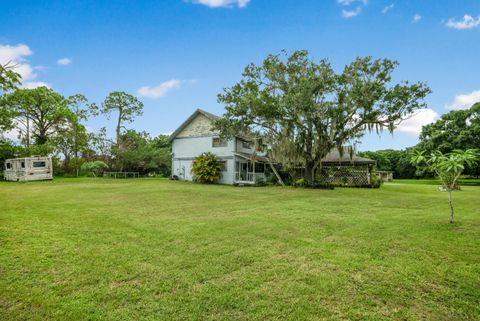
248 177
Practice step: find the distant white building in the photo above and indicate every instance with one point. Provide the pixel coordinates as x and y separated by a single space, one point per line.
243 163
28 169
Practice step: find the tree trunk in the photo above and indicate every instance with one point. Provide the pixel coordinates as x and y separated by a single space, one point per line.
119 124
119 159
450 202
309 172
28 133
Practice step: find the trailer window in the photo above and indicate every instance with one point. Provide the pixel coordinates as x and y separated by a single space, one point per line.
9 165
39 164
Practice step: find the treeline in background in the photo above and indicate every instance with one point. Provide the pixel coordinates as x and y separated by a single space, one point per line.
458 129
40 121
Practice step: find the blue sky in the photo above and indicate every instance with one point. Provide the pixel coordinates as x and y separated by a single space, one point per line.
177 55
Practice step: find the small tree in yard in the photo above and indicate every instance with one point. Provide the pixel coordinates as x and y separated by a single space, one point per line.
206 168
448 167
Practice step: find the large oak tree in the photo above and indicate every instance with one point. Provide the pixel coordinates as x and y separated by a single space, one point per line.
303 109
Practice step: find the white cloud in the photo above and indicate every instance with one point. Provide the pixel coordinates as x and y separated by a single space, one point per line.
417 18
160 90
14 53
468 22
349 2
35 84
10 134
351 13
388 8
64 61
222 3
465 101
413 125
16 56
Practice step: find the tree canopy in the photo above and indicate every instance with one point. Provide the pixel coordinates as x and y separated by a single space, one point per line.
457 129
9 78
36 113
127 107
303 109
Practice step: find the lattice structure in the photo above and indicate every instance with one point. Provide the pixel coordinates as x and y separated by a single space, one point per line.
352 175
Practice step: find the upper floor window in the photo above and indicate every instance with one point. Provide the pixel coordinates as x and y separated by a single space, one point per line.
246 145
9 165
219 142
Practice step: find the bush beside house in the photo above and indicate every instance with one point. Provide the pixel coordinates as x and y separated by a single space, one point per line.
206 168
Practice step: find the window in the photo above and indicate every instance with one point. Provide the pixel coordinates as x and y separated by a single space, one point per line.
246 145
218 142
9 165
39 164
223 166
23 164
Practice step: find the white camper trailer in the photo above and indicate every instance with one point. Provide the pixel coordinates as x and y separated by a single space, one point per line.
33 168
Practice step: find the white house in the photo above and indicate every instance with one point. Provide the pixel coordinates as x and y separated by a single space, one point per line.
243 163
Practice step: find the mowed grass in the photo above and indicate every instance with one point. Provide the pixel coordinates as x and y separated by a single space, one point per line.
151 249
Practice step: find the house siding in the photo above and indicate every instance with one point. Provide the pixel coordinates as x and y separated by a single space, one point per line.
251 150
185 149
199 126
195 137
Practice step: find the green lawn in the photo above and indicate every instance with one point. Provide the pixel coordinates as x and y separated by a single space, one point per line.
150 249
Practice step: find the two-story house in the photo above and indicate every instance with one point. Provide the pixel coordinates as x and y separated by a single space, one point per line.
243 162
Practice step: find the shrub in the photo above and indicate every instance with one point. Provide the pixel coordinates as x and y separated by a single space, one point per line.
375 180
320 185
260 181
299 182
206 168
95 168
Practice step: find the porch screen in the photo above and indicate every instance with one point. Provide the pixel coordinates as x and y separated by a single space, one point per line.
259 167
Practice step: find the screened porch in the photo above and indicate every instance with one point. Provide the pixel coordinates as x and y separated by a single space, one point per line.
250 169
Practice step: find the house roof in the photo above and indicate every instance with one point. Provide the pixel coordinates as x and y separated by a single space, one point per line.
256 158
334 157
189 119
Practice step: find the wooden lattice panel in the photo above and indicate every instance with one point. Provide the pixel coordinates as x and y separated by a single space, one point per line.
345 175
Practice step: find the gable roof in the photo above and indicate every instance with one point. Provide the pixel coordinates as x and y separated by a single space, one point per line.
334 158
189 119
